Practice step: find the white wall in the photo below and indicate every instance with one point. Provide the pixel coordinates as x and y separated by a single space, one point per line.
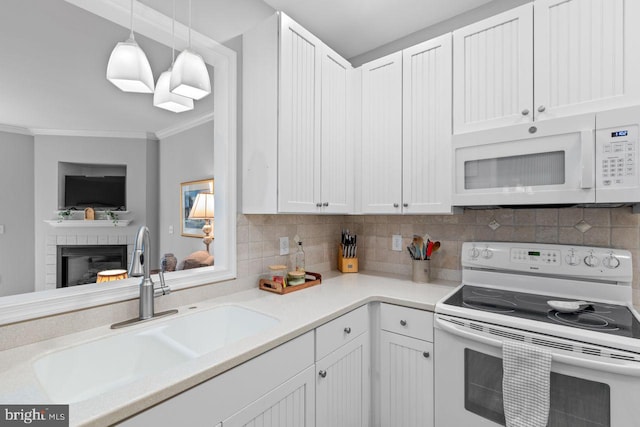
186 156
16 213
137 154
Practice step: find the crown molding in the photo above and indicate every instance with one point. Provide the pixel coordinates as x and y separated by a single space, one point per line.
165 133
15 129
94 133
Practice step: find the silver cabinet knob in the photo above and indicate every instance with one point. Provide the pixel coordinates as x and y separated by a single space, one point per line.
403 322
533 129
406 205
525 112
325 204
426 354
322 374
318 205
395 205
541 109
347 330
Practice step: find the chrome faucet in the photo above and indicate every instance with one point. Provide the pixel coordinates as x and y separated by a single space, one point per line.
140 268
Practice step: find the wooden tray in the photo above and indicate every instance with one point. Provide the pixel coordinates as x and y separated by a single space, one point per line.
276 287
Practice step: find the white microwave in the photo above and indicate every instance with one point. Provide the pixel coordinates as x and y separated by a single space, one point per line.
590 158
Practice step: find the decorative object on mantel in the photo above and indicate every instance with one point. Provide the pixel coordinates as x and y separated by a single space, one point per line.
203 208
192 227
111 275
64 215
89 214
112 216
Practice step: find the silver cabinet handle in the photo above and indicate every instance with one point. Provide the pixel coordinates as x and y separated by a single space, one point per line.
318 205
525 112
541 109
322 374
403 322
426 354
395 205
406 205
325 204
347 330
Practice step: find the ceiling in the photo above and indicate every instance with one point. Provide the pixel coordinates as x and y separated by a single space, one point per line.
54 55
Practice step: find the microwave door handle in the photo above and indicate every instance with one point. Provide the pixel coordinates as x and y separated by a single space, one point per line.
613 368
587 159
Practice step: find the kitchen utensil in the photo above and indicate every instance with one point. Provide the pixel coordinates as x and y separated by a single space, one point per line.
436 246
429 248
568 306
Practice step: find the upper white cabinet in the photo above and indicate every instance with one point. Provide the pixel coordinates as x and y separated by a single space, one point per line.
296 145
493 71
547 59
406 130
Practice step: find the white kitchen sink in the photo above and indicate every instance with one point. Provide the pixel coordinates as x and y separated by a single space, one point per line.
87 370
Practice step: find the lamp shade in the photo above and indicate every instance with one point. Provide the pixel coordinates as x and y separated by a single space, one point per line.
129 69
162 98
189 76
203 206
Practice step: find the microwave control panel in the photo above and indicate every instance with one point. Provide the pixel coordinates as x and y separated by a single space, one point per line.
617 157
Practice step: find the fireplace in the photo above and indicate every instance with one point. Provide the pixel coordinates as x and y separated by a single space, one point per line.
80 264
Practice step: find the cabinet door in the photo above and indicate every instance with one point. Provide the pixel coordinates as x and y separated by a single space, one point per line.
289 405
406 371
426 138
337 143
298 119
493 71
382 135
585 56
342 386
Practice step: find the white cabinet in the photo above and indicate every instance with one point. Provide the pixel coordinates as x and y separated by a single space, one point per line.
290 405
406 130
297 144
342 385
406 367
342 371
546 59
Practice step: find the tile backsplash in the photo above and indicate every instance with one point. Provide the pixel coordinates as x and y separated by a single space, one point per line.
258 236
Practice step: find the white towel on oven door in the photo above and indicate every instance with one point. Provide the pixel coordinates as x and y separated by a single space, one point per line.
525 384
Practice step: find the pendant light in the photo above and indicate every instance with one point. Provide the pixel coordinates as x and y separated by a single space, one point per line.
190 77
162 97
128 66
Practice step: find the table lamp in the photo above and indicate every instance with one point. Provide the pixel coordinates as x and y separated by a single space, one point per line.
203 208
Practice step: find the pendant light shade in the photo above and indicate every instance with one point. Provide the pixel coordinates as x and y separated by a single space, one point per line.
129 68
163 98
190 77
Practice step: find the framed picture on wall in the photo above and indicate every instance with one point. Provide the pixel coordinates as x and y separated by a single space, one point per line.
188 192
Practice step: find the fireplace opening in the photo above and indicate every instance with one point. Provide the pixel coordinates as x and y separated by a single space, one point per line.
79 265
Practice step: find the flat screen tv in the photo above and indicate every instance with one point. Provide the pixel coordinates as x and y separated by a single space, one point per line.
103 192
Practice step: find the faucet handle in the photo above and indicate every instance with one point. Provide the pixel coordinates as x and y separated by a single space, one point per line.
164 289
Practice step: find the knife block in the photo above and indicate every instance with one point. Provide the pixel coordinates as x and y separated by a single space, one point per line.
346 265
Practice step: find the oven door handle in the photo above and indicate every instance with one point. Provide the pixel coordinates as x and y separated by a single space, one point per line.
619 367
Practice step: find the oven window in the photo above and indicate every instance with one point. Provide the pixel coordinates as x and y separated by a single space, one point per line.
575 402
515 171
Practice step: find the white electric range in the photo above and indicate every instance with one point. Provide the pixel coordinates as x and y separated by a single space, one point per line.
595 372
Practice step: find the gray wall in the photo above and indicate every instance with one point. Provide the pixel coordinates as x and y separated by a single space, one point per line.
16 213
428 33
186 156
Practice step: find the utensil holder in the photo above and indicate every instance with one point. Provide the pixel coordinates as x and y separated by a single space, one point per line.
421 270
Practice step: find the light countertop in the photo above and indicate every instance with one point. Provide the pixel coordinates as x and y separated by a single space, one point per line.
298 312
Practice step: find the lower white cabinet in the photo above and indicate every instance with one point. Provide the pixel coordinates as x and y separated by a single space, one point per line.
290 405
406 381
342 385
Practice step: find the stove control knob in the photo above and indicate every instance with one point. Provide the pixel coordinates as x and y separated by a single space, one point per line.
572 259
486 253
591 260
611 261
474 252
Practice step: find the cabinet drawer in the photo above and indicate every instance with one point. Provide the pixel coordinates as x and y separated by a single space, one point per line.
407 321
337 332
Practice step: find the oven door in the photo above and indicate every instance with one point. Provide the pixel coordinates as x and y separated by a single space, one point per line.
590 385
551 162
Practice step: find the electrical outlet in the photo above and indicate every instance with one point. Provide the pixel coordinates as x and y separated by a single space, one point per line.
1 228
171 229
284 246
396 242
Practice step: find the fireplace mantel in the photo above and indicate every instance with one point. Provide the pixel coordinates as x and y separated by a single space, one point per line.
68 223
